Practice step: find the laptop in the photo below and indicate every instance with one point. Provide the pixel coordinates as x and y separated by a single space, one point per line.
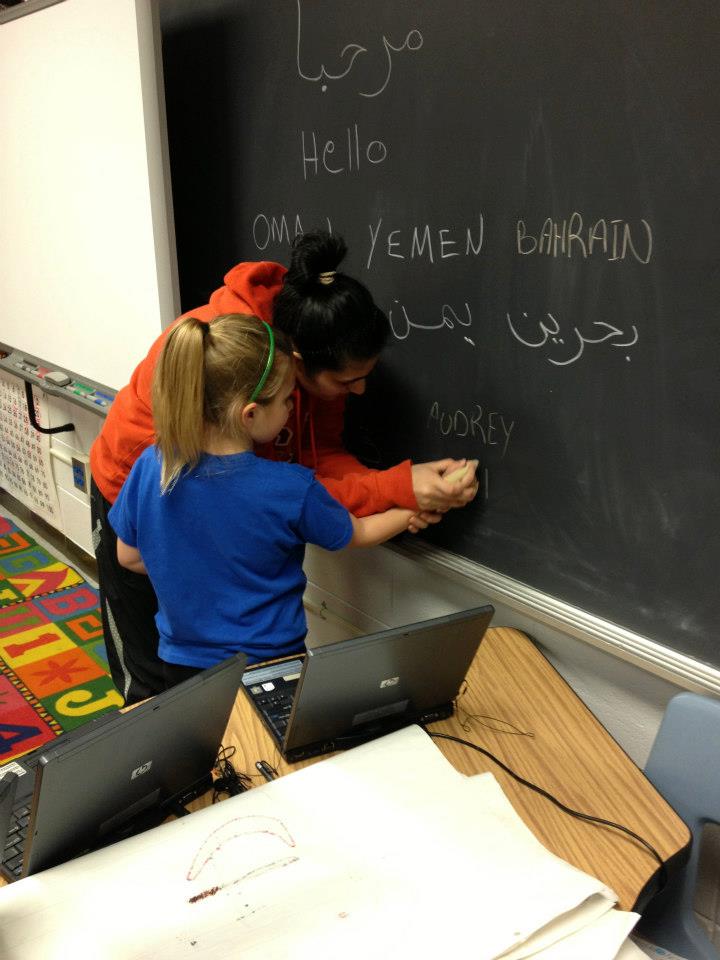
8 787
119 774
341 694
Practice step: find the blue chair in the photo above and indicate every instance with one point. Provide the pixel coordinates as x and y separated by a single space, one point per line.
684 765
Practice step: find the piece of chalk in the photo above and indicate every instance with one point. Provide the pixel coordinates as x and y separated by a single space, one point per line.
457 474
460 473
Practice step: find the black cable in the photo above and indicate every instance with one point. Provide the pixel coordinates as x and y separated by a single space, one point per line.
662 875
65 428
228 779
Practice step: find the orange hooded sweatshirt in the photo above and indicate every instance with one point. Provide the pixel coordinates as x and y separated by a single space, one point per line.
313 436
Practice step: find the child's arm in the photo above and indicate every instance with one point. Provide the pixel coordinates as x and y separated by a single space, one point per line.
375 529
129 557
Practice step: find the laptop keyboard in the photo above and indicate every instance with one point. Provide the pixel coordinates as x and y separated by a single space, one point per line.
12 859
272 690
276 707
12 853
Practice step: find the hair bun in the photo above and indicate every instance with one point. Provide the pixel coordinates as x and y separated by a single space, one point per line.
314 254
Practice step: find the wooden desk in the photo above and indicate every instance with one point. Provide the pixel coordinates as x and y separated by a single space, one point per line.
570 755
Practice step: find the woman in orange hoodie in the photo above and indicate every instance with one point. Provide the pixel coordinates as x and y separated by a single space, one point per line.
337 333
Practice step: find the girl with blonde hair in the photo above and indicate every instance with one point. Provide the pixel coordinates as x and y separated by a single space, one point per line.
337 333
220 531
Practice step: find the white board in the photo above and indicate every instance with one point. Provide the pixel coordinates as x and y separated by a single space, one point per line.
86 235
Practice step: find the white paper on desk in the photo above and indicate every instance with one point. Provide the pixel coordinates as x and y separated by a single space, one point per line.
599 940
385 850
578 918
630 951
531 890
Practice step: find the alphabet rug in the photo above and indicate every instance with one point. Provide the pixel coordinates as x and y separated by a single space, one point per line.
53 664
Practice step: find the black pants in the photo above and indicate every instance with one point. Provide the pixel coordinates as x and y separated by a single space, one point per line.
175 673
128 605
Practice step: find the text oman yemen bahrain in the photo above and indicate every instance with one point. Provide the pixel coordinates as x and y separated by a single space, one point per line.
571 238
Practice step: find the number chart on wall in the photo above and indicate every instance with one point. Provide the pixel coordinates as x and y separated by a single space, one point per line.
530 192
25 467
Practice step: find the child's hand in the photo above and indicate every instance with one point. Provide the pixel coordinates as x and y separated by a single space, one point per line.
422 520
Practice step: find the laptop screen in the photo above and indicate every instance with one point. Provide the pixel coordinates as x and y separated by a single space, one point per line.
88 789
384 679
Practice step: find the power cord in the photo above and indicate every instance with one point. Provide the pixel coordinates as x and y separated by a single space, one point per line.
496 724
662 874
228 779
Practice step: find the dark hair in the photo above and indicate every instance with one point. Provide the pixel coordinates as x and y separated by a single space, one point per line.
331 318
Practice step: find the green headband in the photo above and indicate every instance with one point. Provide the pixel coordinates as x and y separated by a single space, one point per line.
268 366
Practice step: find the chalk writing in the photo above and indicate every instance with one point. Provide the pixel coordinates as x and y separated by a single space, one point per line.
401 324
550 333
413 41
612 239
488 427
440 243
283 229
349 157
350 52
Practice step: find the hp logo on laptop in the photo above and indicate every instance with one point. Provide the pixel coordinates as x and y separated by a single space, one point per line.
139 771
390 682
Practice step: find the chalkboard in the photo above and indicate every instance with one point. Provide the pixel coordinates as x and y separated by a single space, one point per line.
531 191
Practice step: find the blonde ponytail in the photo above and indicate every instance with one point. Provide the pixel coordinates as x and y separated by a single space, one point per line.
178 399
205 375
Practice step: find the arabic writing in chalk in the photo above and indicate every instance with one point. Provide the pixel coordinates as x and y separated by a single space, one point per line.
349 54
401 323
550 333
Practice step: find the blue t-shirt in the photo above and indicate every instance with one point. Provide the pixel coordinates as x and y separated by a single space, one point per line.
224 550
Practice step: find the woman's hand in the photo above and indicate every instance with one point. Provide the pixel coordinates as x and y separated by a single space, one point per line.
435 493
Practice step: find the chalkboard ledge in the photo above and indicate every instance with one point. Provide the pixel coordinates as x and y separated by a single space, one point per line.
529 602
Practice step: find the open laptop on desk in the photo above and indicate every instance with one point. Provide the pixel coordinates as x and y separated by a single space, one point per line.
342 694
119 774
